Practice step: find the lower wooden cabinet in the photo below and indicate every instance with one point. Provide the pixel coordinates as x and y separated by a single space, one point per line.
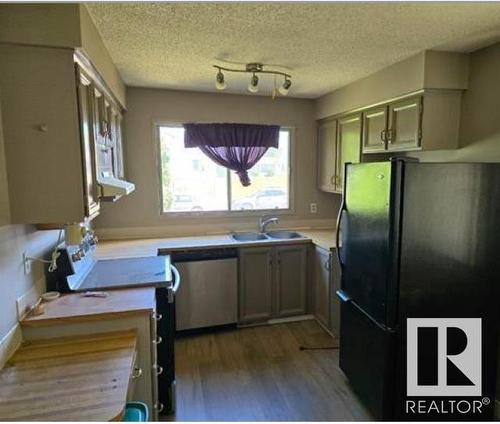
291 279
326 281
144 387
255 290
272 282
321 287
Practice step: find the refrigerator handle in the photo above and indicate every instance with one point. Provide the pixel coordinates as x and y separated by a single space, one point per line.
337 233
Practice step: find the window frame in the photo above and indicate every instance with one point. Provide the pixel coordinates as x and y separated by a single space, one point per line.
227 213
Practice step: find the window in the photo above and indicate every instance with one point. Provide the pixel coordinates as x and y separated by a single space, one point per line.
191 182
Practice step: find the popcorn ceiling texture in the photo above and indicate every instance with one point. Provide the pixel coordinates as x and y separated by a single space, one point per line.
324 45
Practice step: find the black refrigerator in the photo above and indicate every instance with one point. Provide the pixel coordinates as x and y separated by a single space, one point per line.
419 250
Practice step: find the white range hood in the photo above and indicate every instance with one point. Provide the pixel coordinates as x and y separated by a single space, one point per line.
113 188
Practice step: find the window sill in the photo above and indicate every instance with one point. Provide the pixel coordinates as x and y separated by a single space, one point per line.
226 214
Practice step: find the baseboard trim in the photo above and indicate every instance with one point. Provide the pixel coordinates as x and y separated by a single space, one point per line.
10 343
290 319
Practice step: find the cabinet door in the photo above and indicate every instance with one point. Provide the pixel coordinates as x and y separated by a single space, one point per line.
334 300
374 129
405 120
116 126
102 131
86 117
327 152
348 145
291 277
322 262
255 284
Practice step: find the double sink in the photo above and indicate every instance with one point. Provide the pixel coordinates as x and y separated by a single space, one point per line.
270 235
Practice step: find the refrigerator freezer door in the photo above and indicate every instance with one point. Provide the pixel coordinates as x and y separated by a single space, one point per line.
365 237
366 357
450 246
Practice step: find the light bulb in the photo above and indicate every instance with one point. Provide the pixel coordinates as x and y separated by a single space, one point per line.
285 88
254 82
220 84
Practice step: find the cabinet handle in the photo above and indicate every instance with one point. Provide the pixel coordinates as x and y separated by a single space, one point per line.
136 373
158 368
157 316
383 136
390 135
158 340
327 265
159 406
333 178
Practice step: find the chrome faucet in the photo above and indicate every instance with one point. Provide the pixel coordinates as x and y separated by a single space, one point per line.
264 222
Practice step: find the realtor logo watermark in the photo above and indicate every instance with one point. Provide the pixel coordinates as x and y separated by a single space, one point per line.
444 357
444 360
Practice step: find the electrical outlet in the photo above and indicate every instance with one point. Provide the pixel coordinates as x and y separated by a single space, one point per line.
26 264
313 207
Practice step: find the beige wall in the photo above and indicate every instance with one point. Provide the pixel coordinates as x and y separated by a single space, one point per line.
60 25
141 210
93 45
402 77
429 69
480 122
14 241
40 24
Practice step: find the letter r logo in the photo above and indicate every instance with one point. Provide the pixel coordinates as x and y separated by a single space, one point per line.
443 357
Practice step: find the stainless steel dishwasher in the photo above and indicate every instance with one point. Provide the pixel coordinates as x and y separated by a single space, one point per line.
208 296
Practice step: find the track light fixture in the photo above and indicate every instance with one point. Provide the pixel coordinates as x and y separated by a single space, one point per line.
253 86
254 68
285 88
220 84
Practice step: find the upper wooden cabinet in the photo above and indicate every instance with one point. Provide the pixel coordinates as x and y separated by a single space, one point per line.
338 142
348 144
88 144
327 155
58 131
375 129
428 121
404 125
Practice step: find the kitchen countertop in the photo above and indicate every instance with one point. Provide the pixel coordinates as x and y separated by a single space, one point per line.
75 307
80 378
129 248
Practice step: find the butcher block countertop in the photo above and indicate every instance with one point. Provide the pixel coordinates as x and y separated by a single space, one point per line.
75 307
129 248
81 378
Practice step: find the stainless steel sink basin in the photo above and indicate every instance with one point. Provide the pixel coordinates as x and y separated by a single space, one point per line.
248 236
283 234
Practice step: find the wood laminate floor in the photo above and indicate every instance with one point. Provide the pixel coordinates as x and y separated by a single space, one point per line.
260 374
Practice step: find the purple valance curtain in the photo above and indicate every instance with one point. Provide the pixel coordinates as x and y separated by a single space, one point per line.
235 146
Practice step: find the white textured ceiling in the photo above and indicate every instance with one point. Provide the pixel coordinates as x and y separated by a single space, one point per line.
324 45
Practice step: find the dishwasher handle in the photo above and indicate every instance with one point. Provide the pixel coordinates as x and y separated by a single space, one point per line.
176 284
